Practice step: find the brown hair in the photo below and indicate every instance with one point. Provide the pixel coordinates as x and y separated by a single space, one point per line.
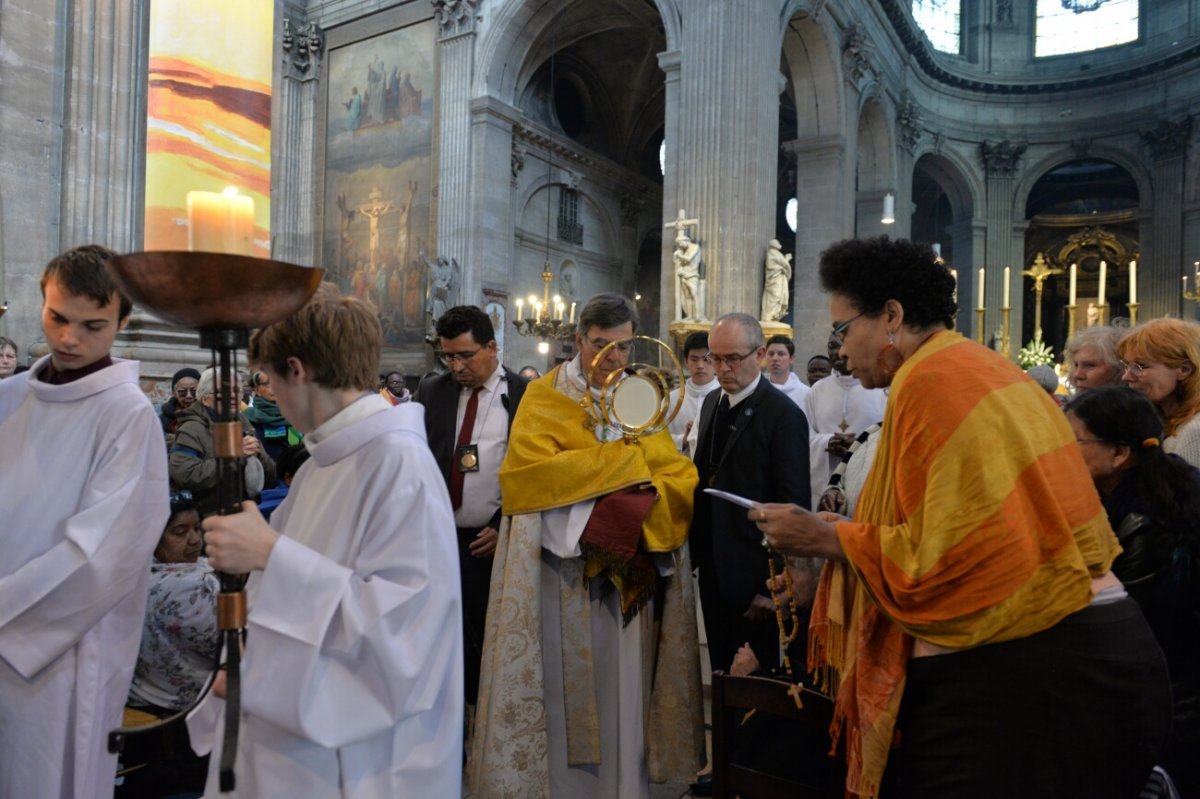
82 273
338 339
1171 342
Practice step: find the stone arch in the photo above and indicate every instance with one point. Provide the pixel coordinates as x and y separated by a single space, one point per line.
957 180
814 77
533 214
876 169
1119 156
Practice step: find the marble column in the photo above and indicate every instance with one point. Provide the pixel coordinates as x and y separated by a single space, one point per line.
294 129
1162 250
494 267
1004 247
456 50
824 215
671 63
727 135
102 145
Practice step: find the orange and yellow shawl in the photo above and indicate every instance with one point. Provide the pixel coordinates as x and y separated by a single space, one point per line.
978 523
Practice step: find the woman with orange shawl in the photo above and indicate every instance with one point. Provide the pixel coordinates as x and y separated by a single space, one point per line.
978 643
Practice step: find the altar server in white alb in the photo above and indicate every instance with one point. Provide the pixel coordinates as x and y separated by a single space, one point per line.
702 379
352 682
83 490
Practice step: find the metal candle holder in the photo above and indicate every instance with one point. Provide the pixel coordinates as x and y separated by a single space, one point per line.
224 297
1005 346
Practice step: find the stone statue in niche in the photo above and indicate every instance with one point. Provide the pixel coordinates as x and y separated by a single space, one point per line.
687 259
777 278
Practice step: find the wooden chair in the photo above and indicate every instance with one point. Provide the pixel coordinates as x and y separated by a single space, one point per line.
732 698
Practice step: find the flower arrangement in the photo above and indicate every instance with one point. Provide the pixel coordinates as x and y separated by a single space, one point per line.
1036 353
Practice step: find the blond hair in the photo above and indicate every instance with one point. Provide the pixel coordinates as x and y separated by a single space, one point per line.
338 339
1173 343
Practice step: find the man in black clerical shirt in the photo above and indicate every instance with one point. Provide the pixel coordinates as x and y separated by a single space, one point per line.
468 412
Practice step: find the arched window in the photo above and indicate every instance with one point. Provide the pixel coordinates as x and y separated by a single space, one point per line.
1106 22
941 20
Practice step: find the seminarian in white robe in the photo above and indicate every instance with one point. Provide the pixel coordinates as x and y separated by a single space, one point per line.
83 500
352 682
830 400
795 388
689 411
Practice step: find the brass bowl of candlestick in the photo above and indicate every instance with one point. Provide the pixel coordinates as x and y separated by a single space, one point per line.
208 290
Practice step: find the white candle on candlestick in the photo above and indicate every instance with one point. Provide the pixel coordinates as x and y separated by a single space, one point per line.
572 321
981 275
1007 288
1071 301
520 308
1100 299
1133 282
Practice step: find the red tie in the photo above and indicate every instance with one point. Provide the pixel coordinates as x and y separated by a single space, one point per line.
464 438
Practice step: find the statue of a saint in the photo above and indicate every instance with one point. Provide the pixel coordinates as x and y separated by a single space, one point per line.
443 287
777 277
687 277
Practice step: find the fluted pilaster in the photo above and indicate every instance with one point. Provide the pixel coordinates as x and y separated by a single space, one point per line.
293 178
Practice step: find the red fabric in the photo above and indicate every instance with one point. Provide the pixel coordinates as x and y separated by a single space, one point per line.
464 438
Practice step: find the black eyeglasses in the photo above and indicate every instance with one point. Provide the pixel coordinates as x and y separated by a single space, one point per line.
185 392
450 357
839 330
731 360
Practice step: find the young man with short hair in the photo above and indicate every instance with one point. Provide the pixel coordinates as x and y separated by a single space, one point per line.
83 498
781 354
701 380
352 678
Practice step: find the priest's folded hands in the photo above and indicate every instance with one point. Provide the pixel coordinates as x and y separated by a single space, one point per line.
792 530
240 542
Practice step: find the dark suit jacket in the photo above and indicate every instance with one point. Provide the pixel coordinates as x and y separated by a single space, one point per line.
765 459
439 395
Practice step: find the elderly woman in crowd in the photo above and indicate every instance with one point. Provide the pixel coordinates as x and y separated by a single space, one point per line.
1092 358
1160 359
8 357
183 395
1153 503
969 605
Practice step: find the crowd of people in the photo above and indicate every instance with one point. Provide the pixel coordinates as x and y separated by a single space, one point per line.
999 596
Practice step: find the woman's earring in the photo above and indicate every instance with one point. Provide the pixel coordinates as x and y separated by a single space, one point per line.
890 360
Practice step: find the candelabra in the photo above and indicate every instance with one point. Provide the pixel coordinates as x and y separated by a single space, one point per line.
548 317
1102 314
1071 321
1133 306
979 336
1005 347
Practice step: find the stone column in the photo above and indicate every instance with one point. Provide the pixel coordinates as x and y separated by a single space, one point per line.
456 47
670 62
494 267
1162 250
102 145
727 135
293 142
1004 247
969 238
824 215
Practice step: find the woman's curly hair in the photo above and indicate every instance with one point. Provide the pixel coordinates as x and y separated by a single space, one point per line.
869 272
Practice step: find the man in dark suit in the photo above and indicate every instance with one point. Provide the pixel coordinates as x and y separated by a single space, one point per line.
468 413
753 442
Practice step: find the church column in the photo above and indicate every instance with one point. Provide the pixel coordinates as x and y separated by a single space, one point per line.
727 137
1162 250
969 245
494 268
670 62
1000 160
293 143
823 215
456 47
102 141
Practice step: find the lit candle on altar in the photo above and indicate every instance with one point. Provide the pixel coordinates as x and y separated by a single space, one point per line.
1071 301
1185 284
572 321
1100 299
220 222
1007 288
1197 266
558 308
980 306
520 308
561 312
537 316
1133 282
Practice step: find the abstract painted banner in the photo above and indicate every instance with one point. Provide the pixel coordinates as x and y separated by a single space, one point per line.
208 138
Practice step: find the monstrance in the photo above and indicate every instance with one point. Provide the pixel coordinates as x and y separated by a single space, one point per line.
224 297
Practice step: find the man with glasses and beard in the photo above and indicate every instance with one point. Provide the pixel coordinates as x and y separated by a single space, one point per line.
591 588
468 415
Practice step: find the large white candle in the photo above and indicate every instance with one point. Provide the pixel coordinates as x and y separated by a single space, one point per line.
220 222
981 276
1007 297
520 308
1100 299
1072 300
1133 282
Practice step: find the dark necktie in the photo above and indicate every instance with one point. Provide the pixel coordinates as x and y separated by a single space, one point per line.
464 438
722 421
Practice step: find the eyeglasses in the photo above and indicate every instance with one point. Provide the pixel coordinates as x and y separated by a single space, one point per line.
733 361
1135 367
839 330
185 392
462 357
184 496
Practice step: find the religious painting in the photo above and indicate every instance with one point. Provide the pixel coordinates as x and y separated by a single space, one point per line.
378 133
208 127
